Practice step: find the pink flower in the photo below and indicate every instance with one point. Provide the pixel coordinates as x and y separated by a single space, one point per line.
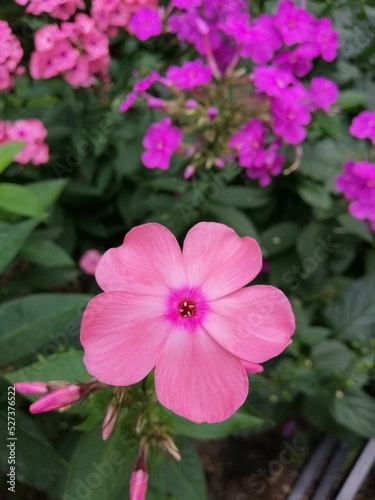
31 387
190 75
145 24
162 139
59 398
289 115
272 80
325 38
323 93
363 125
186 314
89 261
294 23
358 185
263 40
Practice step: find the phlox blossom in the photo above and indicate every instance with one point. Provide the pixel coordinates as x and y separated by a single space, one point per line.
146 23
363 125
190 75
162 139
186 314
357 183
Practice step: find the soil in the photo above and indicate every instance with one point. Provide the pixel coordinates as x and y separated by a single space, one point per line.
259 468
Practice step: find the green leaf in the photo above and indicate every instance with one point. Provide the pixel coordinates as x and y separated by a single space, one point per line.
31 322
332 356
67 365
37 463
241 420
100 470
12 238
315 194
312 334
48 191
352 315
182 480
46 253
245 197
279 237
19 200
351 99
357 413
357 227
233 218
7 152
39 279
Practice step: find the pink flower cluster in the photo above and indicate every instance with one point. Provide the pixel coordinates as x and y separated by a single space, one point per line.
110 15
61 9
33 133
10 56
260 112
357 183
76 50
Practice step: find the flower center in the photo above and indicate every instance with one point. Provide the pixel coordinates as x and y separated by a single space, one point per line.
186 309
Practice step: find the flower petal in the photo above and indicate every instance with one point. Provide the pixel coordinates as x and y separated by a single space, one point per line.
254 323
217 259
122 336
198 379
148 258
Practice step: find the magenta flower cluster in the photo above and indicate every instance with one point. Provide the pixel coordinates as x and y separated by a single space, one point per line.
76 50
10 56
33 133
357 183
254 114
61 9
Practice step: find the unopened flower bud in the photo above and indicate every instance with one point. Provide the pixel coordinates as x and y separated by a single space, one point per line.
191 104
89 261
189 171
139 477
220 163
252 367
212 113
60 398
202 26
138 484
170 447
109 420
31 387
